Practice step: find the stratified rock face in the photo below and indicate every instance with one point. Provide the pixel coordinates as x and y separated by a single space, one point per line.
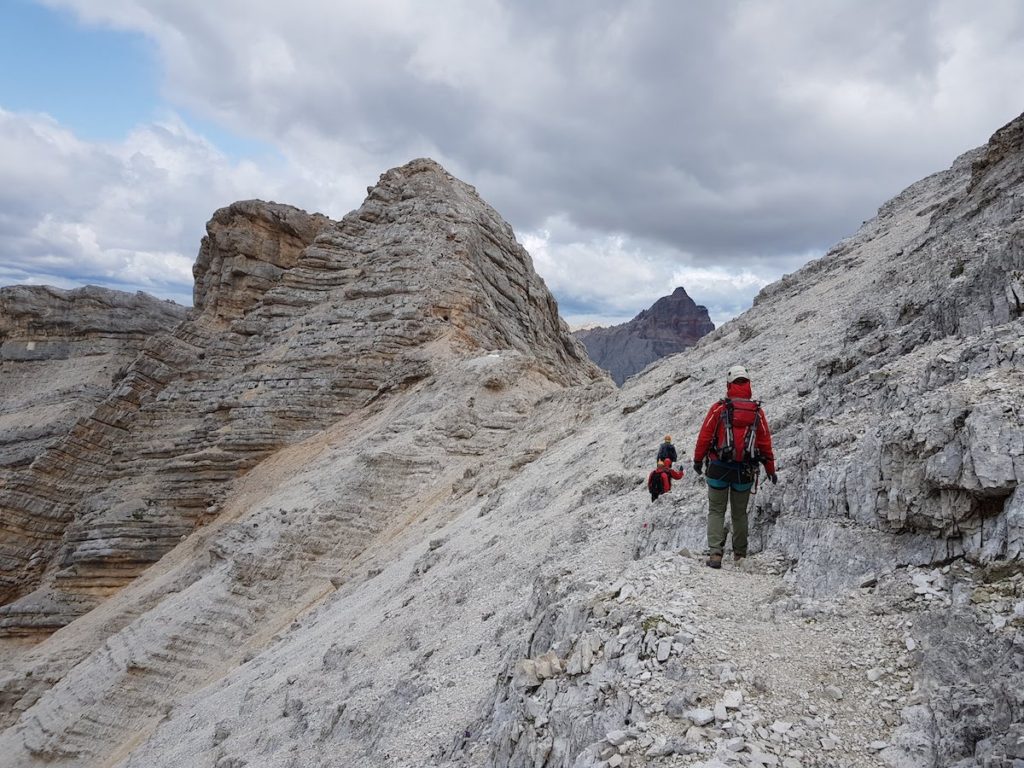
408 364
248 248
59 354
299 322
672 324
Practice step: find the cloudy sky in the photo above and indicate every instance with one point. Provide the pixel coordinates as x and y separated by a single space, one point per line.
634 145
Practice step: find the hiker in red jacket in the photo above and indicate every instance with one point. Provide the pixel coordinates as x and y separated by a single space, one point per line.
734 439
660 479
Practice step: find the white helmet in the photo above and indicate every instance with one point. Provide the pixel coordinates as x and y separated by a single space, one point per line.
737 372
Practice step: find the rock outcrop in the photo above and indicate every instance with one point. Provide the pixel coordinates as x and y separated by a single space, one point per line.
444 553
298 323
900 432
59 352
672 324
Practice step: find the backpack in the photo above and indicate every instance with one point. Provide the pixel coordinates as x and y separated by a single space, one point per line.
736 432
667 451
655 484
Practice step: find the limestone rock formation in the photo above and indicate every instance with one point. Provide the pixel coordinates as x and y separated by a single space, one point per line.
248 247
439 550
899 426
672 324
59 351
897 420
298 322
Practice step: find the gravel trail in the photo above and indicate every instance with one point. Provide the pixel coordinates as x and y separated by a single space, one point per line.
768 678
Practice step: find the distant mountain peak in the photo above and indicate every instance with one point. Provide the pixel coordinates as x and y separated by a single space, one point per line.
670 325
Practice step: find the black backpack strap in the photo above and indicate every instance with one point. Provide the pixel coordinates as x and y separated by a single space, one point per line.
750 443
727 449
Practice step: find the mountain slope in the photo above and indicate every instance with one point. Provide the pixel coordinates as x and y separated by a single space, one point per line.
890 369
467 570
414 332
285 339
59 351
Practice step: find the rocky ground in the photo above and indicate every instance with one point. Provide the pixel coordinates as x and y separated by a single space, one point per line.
732 667
770 678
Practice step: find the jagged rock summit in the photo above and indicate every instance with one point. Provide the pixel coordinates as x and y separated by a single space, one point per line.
673 323
337 394
456 563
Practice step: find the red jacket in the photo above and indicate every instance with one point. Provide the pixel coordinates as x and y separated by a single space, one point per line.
712 431
667 475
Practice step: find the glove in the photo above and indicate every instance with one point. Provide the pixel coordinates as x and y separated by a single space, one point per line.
773 477
698 467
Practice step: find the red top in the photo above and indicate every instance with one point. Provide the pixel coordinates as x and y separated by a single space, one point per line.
667 475
713 423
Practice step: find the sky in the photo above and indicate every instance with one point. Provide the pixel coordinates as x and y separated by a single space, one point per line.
634 145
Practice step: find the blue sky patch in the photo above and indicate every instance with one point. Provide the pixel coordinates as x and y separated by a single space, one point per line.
98 82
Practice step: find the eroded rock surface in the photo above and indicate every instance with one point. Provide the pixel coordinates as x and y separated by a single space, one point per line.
60 351
298 322
673 323
457 563
898 421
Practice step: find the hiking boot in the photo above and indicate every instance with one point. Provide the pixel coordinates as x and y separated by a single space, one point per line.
714 560
736 556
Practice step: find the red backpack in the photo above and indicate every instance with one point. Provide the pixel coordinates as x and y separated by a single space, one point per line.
736 433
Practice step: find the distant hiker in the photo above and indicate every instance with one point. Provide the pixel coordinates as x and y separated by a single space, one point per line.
733 440
667 450
661 477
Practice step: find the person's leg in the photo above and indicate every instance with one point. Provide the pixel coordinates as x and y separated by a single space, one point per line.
738 501
718 498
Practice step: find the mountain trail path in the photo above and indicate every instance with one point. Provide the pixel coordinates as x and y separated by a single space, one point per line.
749 674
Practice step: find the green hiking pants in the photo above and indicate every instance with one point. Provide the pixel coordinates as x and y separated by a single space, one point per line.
718 499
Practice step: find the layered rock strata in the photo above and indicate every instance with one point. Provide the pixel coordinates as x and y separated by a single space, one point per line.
298 322
673 323
59 353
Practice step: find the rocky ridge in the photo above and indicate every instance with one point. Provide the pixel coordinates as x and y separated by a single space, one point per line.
511 597
59 352
298 322
673 323
898 421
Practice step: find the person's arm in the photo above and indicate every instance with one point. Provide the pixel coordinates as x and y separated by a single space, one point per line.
764 444
676 474
706 437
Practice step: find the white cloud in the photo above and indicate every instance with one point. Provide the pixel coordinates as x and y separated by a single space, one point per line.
712 144
129 214
604 279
